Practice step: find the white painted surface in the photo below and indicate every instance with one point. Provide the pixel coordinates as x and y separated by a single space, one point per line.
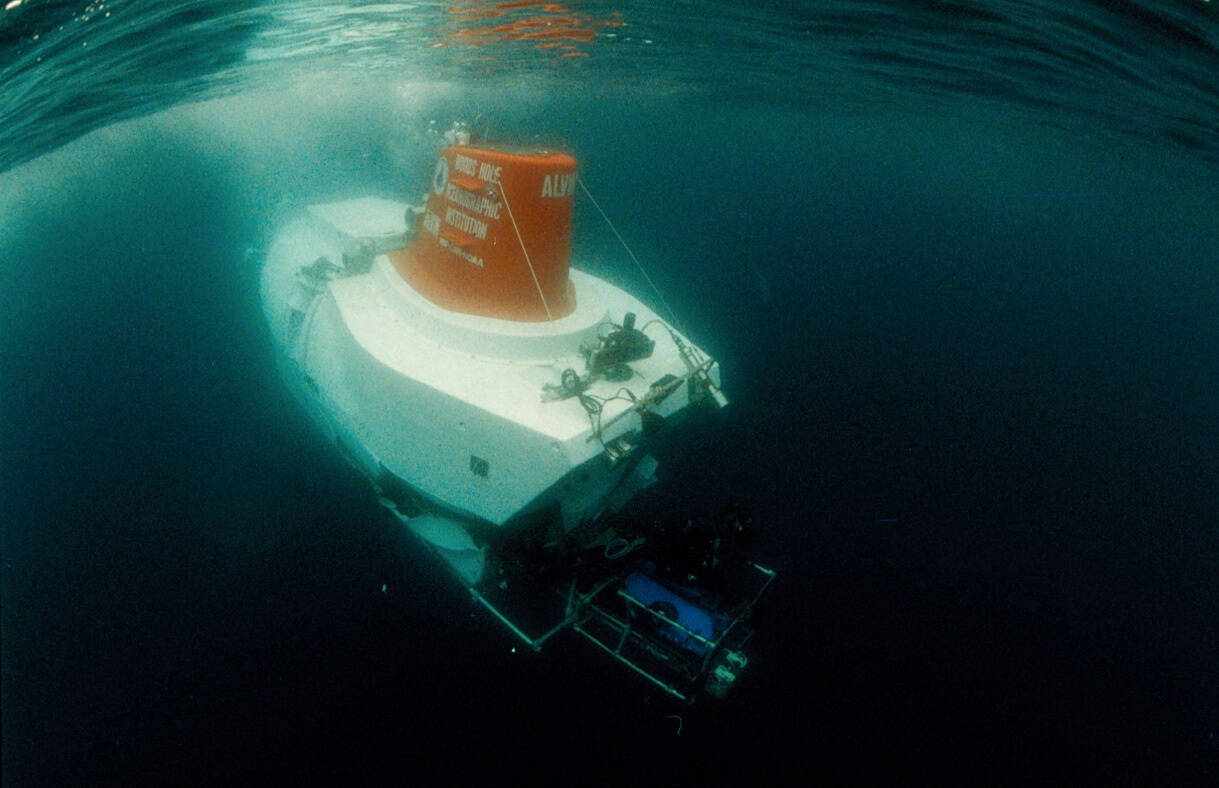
422 390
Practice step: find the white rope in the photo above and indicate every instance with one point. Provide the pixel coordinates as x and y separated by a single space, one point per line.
503 193
639 265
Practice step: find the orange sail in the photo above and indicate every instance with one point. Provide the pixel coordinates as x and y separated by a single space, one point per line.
495 237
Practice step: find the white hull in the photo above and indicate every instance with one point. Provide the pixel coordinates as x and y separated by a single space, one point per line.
452 404
503 443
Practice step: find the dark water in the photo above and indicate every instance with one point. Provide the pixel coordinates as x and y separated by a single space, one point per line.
959 262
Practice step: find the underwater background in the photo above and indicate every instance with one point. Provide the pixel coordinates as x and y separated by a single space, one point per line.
959 260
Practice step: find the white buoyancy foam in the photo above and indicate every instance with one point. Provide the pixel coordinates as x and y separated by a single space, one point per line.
445 534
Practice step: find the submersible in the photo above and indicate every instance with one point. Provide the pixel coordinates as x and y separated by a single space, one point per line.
501 402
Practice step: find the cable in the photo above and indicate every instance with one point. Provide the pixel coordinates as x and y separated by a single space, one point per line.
696 356
621 240
503 193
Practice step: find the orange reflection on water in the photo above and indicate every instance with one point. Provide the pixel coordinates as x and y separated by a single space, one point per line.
552 26
480 9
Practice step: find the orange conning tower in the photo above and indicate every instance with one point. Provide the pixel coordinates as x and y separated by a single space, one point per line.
495 236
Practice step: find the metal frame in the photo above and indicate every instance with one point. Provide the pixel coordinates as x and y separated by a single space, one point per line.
583 612
626 631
